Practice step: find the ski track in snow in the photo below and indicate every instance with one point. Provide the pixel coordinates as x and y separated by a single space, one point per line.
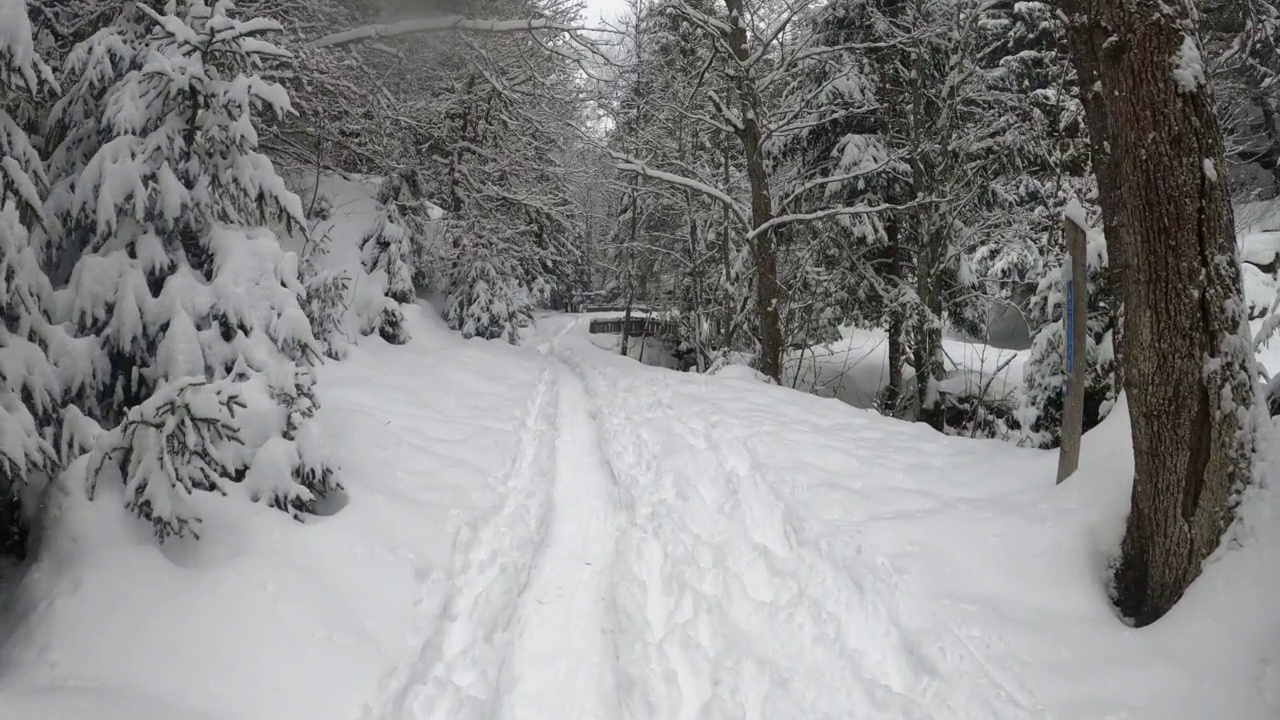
563 661
644 565
528 628
455 676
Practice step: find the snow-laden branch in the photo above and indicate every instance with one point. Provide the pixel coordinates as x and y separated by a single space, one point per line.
447 23
627 163
781 220
834 179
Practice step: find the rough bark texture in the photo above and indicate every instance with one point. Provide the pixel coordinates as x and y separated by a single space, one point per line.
1087 37
897 351
1188 363
769 318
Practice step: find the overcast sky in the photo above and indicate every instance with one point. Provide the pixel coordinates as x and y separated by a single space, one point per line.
605 10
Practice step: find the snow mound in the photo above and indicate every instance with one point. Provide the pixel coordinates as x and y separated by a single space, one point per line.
739 372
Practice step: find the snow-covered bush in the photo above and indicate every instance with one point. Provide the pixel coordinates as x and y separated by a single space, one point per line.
29 387
202 352
1039 413
324 302
327 292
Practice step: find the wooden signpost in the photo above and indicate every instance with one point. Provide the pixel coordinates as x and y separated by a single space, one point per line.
1075 321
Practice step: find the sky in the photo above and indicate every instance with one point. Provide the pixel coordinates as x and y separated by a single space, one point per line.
605 10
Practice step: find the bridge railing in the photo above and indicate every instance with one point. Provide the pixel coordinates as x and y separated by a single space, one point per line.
636 327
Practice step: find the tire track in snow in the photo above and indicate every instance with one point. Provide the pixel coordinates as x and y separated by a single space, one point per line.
455 676
562 666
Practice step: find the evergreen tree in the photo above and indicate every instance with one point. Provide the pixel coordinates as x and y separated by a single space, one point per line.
1041 397
29 387
203 355
396 246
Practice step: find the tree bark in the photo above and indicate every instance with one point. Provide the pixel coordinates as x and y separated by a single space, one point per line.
769 319
1087 36
1188 362
897 352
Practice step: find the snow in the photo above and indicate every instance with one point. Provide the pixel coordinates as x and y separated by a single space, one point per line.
17 49
1259 248
1188 66
1075 212
1210 171
855 368
564 627
555 531
264 617
1254 217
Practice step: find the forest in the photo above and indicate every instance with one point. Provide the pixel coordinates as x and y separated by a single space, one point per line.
765 178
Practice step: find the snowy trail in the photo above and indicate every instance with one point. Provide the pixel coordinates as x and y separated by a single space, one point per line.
562 665
456 674
728 606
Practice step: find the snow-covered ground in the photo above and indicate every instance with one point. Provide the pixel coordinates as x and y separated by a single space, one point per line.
553 532
855 368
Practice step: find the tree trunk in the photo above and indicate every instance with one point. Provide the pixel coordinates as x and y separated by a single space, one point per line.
1087 36
1188 361
728 317
769 319
626 326
893 393
927 343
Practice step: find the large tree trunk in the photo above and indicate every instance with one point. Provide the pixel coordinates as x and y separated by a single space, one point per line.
1188 361
769 318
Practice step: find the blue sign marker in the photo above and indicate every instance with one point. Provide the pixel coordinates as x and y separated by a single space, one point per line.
1071 332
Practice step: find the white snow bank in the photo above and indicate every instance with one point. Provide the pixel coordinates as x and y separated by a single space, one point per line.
1259 248
263 618
788 556
856 368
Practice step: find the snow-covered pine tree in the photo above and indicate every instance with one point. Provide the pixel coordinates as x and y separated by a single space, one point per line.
203 354
396 247
509 226
29 388
846 269
487 298
1039 162
1038 151
326 298
1040 398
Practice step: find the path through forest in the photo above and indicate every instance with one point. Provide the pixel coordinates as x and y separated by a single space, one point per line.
642 567
555 532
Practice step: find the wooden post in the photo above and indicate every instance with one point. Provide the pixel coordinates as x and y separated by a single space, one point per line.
1075 321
